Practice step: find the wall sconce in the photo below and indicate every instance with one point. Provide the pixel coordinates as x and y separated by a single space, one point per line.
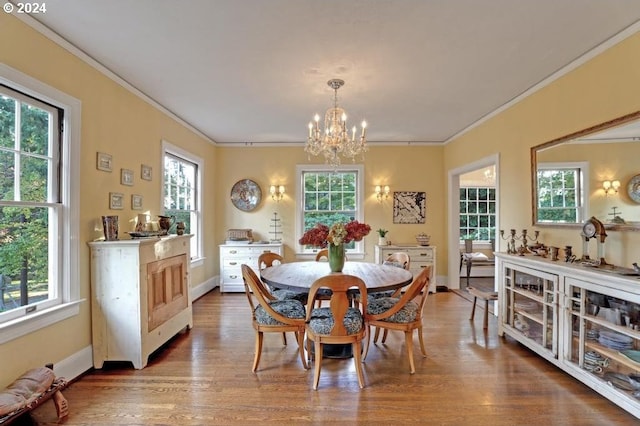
382 192
277 192
610 186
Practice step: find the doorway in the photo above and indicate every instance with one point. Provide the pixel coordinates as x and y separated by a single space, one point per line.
463 177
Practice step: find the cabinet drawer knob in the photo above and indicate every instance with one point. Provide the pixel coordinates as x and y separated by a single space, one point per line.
266 251
233 251
233 277
233 263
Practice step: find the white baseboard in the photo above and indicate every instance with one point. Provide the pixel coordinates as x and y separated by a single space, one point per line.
73 366
205 287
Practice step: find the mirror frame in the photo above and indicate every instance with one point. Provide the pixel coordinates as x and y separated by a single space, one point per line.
534 167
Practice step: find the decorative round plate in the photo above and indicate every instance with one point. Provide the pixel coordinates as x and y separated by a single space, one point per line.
246 195
633 188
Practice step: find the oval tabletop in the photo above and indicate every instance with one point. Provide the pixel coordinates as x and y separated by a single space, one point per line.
299 276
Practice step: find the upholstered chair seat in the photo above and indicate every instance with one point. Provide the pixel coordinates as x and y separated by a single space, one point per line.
321 321
282 294
406 314
288 308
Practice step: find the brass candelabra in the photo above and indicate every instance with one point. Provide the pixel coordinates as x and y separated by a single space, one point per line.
524 237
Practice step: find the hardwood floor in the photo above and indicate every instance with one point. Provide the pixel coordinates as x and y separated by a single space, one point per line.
203 377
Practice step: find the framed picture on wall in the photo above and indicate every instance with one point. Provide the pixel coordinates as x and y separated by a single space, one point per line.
136 202
126 177
116 200
145 172
409 207
104 162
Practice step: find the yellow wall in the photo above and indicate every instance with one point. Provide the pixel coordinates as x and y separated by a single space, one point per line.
113 121
602 89
403 169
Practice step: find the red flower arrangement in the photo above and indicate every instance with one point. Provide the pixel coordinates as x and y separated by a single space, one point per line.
339 233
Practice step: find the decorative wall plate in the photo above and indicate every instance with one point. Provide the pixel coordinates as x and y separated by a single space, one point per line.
246 195
633 188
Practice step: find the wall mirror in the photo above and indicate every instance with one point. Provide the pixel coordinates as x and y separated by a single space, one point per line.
569 176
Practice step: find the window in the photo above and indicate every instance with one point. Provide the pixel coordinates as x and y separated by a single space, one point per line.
329 195
560 192
182 182
39 254
477 213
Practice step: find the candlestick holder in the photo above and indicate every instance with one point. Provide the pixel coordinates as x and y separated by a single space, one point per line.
524 237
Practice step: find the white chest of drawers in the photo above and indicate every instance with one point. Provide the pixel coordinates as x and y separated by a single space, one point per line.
234 255
421 257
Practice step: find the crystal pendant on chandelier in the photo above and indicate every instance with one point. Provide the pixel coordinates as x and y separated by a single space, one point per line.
335 139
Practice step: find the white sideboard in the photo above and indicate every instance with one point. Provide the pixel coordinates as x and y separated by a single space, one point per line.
140 296
420 256
234 255
577 317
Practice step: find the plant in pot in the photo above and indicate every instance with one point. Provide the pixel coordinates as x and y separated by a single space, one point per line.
382 233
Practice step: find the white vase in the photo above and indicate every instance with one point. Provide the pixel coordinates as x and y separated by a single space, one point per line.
382 241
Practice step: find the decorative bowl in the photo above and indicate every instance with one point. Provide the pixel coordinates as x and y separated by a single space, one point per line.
423 239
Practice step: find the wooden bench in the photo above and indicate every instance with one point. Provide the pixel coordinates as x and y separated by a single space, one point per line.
486 296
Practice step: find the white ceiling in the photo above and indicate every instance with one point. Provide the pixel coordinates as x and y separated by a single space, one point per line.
256 70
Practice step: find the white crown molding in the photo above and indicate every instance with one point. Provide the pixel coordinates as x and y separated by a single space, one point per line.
300 144
56 38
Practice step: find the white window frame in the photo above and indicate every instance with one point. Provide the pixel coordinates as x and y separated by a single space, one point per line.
197 257
357 253
68 219
583 170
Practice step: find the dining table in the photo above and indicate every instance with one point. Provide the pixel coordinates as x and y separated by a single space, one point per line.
300 276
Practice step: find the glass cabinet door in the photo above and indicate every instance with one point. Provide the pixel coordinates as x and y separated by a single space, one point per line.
530 306
605 335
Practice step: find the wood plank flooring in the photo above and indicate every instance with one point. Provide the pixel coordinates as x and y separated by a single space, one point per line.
203 377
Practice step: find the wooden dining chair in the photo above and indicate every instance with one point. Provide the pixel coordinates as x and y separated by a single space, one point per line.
403 313
267 260
399 259
322 255
337 324
270 315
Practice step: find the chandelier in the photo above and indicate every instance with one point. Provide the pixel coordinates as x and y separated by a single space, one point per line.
335 139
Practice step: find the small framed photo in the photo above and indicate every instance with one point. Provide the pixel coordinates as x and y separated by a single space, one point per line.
145 172
126 177
104 162
136 202
116 200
